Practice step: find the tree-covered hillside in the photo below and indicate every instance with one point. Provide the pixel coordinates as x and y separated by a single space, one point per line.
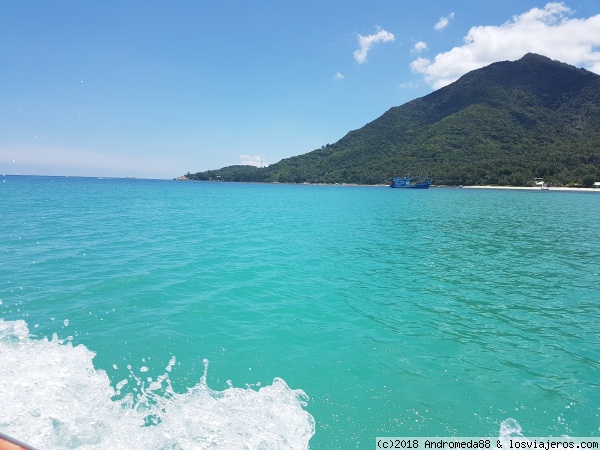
503 124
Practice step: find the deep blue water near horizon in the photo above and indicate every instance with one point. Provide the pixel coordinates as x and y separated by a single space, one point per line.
212 308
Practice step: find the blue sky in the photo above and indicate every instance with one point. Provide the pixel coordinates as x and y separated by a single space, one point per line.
154 89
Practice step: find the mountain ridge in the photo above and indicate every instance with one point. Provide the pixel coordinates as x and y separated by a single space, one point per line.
503 124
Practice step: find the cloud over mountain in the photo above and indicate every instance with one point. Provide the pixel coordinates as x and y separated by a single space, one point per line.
548 30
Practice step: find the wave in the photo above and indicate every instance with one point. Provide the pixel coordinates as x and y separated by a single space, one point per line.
56 398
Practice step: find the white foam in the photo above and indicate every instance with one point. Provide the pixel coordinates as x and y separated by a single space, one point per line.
53 397
510 428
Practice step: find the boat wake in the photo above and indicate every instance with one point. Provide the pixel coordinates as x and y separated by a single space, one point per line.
53 397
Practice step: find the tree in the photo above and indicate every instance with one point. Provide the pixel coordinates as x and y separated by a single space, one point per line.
588 181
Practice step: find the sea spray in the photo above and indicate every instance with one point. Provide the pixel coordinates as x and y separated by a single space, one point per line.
58 399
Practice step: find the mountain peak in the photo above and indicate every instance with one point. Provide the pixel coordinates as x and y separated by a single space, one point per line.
529 57
532 73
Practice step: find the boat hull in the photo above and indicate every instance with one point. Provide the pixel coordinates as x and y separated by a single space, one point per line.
412 186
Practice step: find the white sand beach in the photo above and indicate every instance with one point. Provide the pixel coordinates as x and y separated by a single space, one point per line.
551 188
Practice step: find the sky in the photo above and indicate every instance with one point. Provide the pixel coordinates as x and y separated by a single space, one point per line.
156 89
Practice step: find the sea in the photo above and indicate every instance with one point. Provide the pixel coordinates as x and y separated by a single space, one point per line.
161 314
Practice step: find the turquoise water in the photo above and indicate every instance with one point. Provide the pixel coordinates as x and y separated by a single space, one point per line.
283 316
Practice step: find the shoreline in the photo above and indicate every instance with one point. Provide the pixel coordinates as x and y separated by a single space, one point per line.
433 186
557 188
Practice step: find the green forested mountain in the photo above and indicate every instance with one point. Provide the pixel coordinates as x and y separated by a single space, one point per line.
503 124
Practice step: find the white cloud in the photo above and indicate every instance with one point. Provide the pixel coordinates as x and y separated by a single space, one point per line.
366 42
253 160
419 47
409 85
443 22
420 65
547 31
338 76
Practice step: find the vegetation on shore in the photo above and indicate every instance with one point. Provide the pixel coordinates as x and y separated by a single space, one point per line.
504 124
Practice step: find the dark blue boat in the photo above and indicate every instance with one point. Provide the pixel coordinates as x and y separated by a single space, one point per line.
408 183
